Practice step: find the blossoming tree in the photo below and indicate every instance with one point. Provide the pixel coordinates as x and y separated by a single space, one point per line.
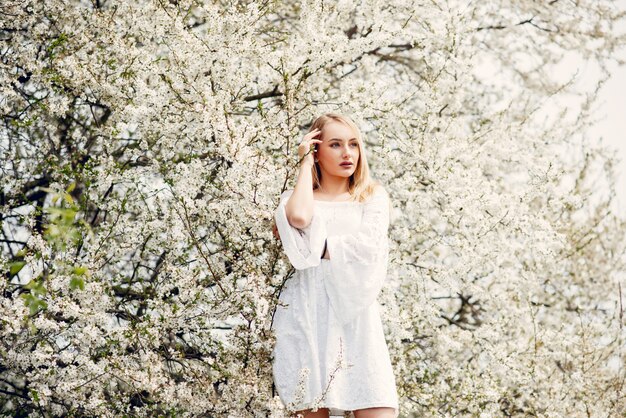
144 146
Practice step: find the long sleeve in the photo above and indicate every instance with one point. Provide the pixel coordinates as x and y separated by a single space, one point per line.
302 246
358 261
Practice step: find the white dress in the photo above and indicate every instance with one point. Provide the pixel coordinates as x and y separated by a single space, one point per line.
330 347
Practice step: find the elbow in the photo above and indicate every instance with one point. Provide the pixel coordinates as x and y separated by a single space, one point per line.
298 221
298 218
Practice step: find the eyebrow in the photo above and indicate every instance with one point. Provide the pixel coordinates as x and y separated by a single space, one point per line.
339 139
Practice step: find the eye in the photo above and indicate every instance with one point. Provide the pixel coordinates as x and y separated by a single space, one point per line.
333 144
355 144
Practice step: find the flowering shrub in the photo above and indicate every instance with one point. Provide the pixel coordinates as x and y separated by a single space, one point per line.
144 147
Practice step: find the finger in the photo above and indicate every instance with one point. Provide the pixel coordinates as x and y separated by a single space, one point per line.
307 138
312 134
310 142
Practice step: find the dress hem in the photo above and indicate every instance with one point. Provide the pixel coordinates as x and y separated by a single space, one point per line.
334 410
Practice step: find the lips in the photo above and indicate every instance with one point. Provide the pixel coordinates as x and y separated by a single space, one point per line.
346 164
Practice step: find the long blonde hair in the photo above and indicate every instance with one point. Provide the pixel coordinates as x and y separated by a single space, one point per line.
360 185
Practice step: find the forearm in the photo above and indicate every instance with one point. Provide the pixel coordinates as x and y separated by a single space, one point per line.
299 207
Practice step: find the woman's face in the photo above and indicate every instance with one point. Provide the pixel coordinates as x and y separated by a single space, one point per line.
339 145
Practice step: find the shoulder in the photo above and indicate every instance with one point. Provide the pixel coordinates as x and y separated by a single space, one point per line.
378 194
379 190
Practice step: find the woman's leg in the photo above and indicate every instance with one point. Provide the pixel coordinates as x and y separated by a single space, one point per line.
306 413
378 412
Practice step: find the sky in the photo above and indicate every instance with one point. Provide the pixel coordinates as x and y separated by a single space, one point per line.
611 130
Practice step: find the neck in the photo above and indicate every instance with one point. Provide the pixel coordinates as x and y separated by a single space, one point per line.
331 185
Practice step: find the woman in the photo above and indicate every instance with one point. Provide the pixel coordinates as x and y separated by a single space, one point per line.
330 355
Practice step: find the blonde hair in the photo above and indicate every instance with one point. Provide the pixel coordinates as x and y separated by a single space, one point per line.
360 184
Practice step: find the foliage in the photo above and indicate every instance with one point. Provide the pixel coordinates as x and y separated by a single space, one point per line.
144 147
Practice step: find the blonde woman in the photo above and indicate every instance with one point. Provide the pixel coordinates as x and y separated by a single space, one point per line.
331 356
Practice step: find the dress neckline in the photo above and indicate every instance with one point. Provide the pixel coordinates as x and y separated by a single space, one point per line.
336 201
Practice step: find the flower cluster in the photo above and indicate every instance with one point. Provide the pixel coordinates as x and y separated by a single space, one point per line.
144 148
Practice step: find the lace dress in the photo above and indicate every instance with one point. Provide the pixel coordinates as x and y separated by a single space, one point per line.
330 347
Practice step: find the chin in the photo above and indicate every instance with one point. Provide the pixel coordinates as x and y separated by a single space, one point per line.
344 174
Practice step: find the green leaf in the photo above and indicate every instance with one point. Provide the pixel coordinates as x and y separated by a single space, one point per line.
33 303
37 306
79 271
77 282
16 266
36 287
68 198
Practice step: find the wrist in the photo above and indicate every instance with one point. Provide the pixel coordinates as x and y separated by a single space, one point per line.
306 165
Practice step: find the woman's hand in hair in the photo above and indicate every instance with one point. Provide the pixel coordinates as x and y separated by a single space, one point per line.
305 153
